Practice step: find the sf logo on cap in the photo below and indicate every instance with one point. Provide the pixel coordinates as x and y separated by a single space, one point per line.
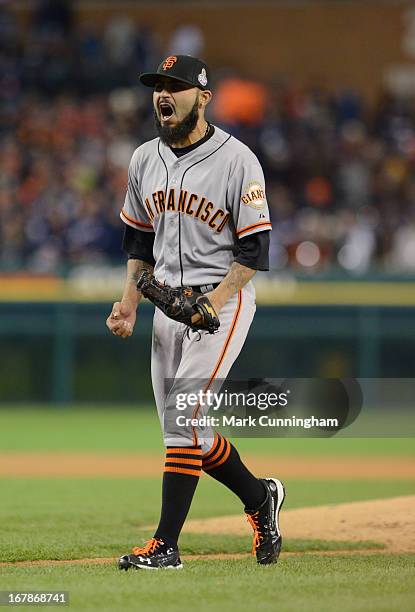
169 62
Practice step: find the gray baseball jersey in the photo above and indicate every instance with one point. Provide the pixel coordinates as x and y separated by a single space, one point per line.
197 205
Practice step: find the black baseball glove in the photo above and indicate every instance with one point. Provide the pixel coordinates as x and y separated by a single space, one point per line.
181 304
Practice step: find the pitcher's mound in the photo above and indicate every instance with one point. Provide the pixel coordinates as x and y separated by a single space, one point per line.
388 521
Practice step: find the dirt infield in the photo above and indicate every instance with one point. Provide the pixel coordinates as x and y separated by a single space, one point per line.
390 522
87 465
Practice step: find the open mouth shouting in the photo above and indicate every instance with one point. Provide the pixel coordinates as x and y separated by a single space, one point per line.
166 110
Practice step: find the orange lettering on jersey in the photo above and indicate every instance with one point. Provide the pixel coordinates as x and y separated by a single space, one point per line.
202 201
171 200
169 62
156 204
218 213
150 212
207 211
161 198
182 200
192 198
223 223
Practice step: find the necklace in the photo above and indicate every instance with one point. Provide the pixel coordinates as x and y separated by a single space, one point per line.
207 129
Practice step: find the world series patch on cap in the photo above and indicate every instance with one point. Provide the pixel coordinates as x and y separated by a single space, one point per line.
184 68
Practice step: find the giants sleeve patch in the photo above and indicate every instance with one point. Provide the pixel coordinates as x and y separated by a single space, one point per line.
254 195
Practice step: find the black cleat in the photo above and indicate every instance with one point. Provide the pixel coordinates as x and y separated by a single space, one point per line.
264 521
153 556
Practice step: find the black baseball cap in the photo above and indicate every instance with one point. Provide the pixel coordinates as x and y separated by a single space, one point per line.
185 68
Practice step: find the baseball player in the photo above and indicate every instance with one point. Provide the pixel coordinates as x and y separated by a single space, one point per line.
196 231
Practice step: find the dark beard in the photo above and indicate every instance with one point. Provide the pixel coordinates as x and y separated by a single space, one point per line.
171 135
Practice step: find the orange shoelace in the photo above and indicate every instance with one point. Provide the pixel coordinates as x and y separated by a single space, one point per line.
148 548
253 521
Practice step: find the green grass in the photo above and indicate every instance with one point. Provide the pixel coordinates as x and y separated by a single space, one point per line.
82 518
375 583
89 428
52 518
57 548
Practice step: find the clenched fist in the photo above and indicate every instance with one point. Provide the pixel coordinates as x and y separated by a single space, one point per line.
122 319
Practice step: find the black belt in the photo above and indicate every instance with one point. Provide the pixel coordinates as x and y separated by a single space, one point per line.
205 288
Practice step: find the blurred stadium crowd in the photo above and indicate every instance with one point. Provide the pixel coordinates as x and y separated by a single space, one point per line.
340 178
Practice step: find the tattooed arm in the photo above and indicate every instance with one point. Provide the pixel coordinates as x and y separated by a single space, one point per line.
123 315
236 278
134 270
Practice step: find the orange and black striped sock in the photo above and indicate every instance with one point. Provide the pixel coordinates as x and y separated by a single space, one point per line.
218 454
181 474
185 460
224 464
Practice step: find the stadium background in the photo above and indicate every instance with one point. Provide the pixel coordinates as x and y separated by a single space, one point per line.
330 114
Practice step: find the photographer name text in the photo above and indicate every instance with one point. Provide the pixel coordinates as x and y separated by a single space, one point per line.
250 421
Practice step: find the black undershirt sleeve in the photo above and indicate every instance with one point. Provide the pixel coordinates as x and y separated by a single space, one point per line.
254 251
138 244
